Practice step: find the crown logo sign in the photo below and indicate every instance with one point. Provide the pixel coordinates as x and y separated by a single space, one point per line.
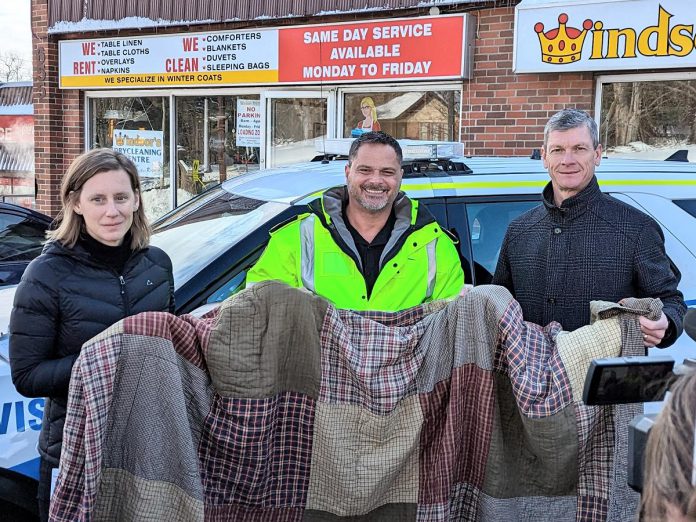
562 44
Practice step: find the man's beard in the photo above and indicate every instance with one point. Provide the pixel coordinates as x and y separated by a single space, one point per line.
371 204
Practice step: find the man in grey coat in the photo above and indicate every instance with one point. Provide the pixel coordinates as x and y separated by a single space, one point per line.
581 245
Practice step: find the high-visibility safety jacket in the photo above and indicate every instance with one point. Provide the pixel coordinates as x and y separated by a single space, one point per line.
316 251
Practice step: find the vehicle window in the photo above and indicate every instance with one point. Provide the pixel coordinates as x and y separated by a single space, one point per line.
21 239
487 225
231 287
688 205
200 234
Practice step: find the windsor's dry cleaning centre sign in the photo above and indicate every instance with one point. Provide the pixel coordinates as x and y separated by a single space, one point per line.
398 49
604 36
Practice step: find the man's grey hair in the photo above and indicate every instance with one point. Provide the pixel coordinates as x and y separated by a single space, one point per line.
567 119
374 138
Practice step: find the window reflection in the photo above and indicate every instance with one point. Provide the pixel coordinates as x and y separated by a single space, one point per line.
425 115
138 127
649 119
295 125
218 137
193 238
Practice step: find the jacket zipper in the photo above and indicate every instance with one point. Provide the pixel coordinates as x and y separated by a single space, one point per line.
124 295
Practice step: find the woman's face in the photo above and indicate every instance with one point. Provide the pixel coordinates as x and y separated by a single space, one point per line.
107 204
366 110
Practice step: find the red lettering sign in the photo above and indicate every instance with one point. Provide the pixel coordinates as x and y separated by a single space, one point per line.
17 129
389 49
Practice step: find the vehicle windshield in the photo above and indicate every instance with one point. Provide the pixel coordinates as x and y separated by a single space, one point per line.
199 232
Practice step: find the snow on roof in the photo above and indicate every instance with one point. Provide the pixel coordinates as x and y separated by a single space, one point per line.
16 110
132 22
397 106
542 3
424 3
15 84
138 22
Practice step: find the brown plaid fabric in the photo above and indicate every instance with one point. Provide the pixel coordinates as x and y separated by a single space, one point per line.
280 407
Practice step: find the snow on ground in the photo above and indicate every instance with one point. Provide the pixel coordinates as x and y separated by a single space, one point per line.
158 202
640 150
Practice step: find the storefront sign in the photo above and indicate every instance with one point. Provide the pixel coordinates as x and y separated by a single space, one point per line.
386 50
144 148
17 129
248 129
396 49
190 59
604 36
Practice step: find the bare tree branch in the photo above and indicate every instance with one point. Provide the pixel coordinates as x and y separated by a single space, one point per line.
14 68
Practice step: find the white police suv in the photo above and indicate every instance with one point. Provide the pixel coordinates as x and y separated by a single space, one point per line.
214 238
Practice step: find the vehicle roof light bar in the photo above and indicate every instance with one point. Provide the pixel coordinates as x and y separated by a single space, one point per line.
412 149
431 151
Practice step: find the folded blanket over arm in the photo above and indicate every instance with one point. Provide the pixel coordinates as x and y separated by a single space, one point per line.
280 407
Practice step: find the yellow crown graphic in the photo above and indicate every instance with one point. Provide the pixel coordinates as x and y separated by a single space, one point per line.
562 44
119 140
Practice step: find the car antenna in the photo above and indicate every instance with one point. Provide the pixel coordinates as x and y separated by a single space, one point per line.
680 155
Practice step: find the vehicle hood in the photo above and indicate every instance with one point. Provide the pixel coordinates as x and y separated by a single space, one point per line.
6 299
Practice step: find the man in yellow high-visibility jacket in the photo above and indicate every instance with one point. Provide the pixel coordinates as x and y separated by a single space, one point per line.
365 245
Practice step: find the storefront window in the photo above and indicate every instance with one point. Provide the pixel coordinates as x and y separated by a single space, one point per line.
295 124
139 128
218 137
649 119
17 182
425 115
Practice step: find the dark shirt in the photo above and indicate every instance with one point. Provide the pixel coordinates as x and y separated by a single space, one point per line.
370 253
113 257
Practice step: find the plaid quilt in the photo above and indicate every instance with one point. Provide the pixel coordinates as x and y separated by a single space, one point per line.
277 406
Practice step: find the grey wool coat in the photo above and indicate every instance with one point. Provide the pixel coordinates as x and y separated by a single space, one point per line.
555 260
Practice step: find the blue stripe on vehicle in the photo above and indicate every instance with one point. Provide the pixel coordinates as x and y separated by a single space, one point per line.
692 302
30 468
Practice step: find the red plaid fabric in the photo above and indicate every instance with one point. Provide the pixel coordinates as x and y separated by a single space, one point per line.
354 372
189 335
257 452
456 433
535 368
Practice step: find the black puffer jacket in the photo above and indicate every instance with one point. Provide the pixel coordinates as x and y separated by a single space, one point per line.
64 299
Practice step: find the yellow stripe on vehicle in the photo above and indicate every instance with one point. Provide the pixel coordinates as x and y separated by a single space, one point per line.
416 187
653 182
540 183
477 184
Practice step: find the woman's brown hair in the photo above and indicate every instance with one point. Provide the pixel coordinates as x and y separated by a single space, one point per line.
84 167
669 492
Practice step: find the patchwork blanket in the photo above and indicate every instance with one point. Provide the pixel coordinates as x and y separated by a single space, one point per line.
277 406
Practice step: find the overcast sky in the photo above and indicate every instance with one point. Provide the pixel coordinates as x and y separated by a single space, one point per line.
15 27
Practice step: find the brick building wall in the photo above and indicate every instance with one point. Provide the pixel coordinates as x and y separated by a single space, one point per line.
505 113
58 115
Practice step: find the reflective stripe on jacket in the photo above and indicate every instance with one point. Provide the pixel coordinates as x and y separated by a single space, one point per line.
316 251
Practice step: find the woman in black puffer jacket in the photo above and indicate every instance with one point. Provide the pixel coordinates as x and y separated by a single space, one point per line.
96 269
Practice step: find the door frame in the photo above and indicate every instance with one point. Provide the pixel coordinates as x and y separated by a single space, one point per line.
268 96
